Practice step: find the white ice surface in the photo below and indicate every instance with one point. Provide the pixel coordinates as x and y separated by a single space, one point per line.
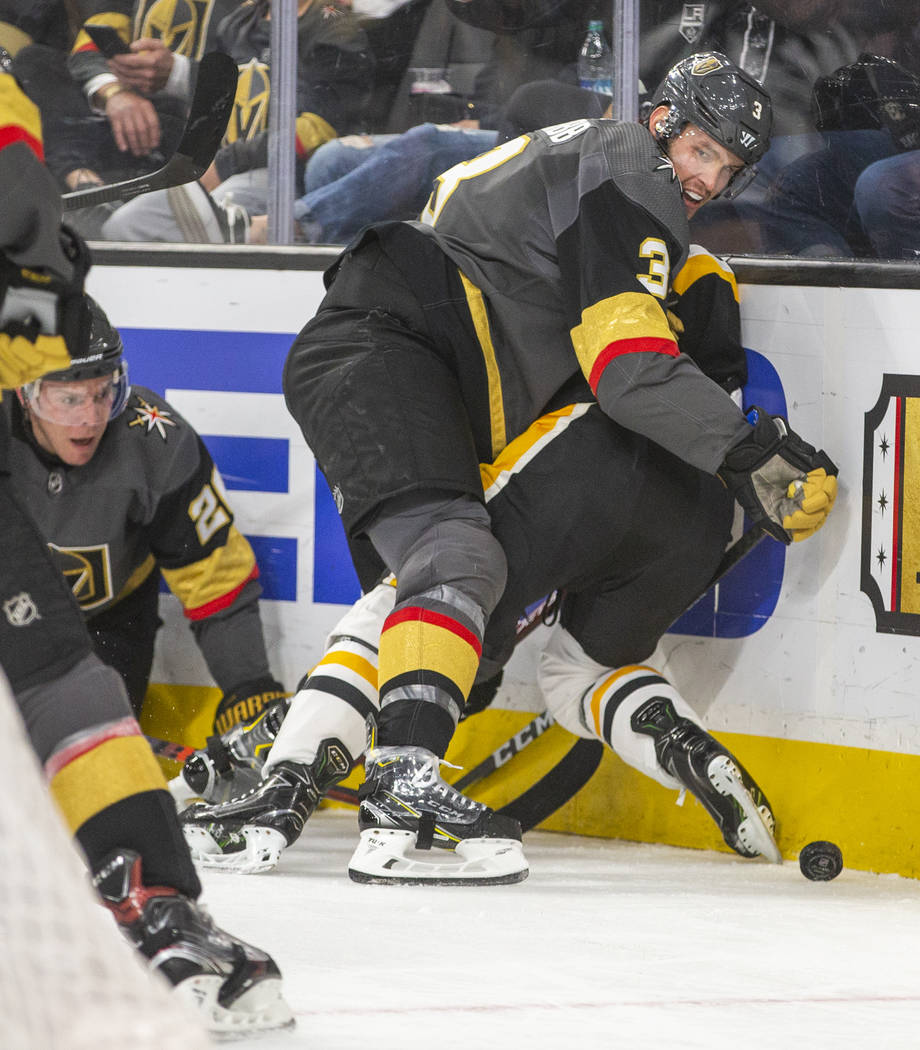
606 944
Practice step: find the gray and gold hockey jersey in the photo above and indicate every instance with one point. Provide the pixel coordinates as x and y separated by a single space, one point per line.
149 498
566 240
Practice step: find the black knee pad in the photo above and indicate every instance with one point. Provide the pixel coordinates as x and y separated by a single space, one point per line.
444 540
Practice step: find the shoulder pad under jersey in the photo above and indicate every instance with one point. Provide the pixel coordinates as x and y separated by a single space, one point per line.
644 175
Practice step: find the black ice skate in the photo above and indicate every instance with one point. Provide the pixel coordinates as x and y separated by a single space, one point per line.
236 986
405 804
723 786
232 763
249 833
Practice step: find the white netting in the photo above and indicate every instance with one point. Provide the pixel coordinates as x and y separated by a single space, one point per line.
68 979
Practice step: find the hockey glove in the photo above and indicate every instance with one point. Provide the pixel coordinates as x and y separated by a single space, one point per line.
246 701
44 319
783 484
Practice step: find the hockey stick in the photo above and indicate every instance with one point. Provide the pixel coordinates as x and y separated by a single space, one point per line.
170 750
212 103
575 768
541 612
578 765
738 550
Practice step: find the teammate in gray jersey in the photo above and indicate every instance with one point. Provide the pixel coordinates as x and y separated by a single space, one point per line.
101 771
439 342
123 489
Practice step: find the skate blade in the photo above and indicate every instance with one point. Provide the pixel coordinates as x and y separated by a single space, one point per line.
381 857
261 852
754 831
260 1008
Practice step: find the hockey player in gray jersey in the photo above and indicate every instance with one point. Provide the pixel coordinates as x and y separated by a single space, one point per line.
626 571
101 772
440 342
123 489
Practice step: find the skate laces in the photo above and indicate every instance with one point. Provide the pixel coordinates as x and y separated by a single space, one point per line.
420 773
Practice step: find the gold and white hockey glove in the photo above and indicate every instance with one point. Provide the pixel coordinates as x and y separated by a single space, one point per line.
783 484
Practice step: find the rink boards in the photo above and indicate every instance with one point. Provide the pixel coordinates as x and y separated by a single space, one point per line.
803 661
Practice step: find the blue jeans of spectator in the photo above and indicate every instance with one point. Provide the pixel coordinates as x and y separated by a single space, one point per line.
390 179
812 200
887 201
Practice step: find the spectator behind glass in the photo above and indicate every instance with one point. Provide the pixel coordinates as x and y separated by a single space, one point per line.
112 119
356 180
334 83
344 177
343 182
786 45
27 22
859 195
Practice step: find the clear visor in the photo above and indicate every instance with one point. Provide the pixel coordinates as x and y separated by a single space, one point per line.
79 402
739 182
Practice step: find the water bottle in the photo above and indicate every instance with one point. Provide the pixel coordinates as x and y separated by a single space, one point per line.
595 61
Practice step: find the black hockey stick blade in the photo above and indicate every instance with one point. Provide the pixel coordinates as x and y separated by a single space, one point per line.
551 792
738 550
209 113
507 751
579 764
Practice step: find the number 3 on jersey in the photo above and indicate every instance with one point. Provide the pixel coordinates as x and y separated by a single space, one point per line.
658 269
468 169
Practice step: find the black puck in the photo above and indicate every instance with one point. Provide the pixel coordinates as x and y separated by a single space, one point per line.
821 861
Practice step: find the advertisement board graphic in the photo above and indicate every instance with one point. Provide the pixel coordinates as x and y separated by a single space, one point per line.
890 562
236 364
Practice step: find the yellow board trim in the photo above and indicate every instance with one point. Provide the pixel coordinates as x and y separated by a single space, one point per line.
116 770
480 318
818 791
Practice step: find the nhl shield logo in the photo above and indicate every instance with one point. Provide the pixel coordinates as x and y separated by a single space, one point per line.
890 566
20 610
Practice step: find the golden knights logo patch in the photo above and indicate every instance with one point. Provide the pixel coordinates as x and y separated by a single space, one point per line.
88 570
890 565
703 66
250 107
182 25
